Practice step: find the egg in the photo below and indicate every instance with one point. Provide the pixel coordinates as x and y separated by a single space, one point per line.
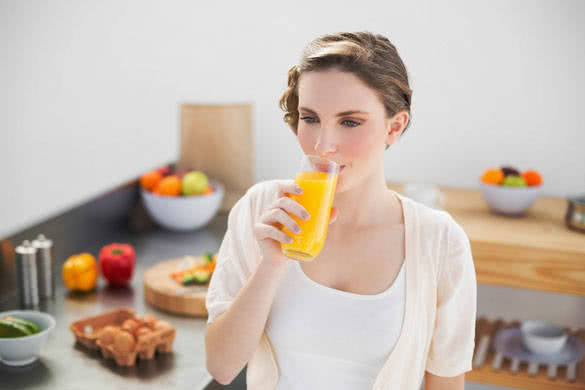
143 336
160 325
124 342
150 321
106 334
130 325
142 331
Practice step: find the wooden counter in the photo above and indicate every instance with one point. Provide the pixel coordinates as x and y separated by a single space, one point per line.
536 251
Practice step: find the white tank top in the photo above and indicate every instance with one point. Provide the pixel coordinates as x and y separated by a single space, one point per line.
326 338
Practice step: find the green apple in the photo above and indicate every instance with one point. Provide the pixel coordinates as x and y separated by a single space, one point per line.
514 181
194 183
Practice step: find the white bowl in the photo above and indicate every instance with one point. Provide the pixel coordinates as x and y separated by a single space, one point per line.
183 212
542 337
509 200
19 351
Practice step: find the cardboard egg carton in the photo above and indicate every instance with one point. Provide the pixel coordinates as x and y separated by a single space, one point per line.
123 336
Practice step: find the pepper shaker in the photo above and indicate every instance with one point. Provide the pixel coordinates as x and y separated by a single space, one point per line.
26 272
45 266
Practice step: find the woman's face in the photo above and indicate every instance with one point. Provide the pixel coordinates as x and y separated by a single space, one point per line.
343 119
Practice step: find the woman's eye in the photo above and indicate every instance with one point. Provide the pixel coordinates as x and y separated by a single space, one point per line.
309 119
350 123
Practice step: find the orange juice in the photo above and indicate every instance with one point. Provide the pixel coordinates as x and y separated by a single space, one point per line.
317 198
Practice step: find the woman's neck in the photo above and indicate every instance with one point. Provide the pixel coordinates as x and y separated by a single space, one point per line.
367 204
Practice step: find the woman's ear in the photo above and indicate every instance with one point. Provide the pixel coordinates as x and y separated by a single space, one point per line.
395 126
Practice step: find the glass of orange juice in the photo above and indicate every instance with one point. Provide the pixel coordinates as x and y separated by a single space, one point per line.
318 179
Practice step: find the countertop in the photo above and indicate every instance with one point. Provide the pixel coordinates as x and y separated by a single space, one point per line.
536 251
63 364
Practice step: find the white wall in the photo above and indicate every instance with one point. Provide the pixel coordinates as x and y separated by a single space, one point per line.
89 91
89 95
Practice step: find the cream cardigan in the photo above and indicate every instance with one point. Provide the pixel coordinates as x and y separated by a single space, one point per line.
438 333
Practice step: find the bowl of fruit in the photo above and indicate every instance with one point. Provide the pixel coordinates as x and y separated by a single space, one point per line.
508 191
180 200
22 335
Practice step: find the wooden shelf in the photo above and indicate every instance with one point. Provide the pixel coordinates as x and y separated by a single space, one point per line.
542 378
536 251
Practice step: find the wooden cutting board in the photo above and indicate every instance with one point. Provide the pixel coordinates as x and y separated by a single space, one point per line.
164 292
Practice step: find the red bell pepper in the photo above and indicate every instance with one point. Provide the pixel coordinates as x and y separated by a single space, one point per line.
117 263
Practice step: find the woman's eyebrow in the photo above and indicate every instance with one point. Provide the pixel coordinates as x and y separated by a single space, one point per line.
307 109
344 113
351 112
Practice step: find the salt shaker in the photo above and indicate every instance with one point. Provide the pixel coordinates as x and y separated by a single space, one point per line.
26 272
45 266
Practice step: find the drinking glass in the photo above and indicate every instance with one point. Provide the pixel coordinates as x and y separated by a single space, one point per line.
318 179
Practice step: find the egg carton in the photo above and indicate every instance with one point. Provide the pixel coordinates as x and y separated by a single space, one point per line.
123 336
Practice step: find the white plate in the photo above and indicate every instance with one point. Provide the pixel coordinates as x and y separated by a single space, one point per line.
509 343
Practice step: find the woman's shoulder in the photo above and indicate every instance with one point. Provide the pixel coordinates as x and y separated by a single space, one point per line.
424 215
438 237
436 221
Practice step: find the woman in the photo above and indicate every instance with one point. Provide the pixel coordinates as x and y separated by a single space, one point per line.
391 299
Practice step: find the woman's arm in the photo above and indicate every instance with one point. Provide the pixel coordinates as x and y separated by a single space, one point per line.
233 337
434 382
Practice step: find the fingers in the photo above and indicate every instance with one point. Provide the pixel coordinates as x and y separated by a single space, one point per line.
293 207
263 231
278 215
281 214
289 188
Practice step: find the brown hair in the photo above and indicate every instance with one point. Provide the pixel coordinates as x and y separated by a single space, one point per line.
371 57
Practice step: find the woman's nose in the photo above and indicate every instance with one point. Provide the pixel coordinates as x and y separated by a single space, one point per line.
325 143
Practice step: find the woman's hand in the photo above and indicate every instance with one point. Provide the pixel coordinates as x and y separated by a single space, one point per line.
268 231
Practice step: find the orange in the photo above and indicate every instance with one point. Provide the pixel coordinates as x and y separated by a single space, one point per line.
150 180
169 186
208 191
493 176
533 178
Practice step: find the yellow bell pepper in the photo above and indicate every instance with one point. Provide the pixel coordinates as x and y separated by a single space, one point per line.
80 272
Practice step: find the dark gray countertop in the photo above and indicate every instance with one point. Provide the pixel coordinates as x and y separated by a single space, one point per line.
65 365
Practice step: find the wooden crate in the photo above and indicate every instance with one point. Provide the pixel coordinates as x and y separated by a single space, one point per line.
495 370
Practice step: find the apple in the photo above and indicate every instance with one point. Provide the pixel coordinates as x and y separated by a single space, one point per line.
194 183
514 181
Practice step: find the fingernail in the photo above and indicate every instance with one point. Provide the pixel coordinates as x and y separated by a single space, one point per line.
306 216
299 190
297 229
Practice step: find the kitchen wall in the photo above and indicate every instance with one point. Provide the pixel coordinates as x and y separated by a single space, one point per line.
89 95
90 90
